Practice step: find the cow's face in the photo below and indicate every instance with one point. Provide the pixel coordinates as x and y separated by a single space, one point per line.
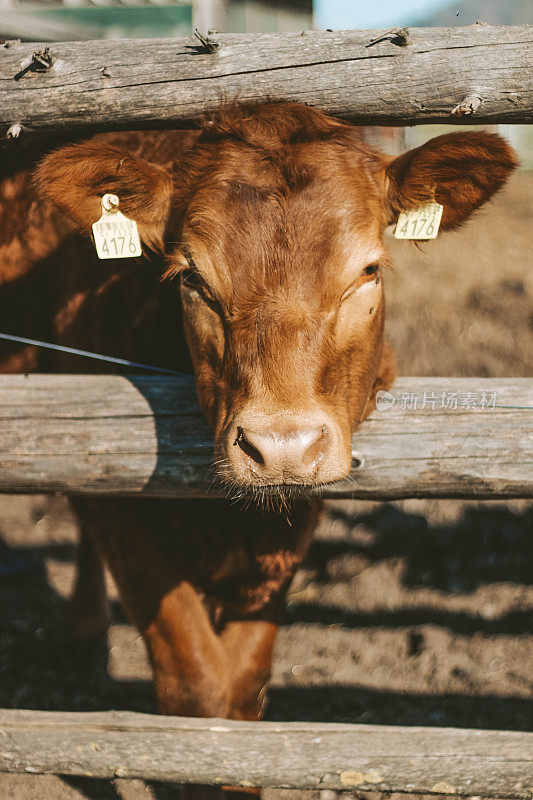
282 291
280 213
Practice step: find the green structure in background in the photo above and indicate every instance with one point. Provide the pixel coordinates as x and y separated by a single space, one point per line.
66 21
120 22
60 20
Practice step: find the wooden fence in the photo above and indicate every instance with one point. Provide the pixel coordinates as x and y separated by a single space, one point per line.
478 74
433 437
138 435
294 755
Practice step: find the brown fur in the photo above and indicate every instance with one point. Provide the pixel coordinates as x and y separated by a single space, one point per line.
460 170
272 217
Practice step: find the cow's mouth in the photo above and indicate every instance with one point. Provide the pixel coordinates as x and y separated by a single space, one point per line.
272 497
278 497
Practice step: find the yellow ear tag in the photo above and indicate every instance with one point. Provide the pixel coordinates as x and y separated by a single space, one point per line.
115 236
421 222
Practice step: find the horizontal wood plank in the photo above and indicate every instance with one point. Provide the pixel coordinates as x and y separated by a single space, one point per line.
107 434
296 755
479 74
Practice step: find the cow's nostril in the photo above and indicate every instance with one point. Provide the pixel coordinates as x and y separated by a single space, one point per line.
248 448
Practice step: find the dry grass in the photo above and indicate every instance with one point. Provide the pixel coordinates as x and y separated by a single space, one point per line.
463 304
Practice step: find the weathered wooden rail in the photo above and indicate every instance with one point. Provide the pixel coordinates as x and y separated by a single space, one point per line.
295 755
477 74
442 437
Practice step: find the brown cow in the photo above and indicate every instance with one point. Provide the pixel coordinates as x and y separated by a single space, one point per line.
272 219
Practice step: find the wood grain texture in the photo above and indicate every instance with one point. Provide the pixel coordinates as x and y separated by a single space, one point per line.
478 74
109 434
297 755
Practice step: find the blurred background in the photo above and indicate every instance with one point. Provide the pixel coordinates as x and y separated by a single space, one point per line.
413 612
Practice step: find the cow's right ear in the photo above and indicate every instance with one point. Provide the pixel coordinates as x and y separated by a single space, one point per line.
460 170
77 176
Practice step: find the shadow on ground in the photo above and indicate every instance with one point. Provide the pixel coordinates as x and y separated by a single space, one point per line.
42 667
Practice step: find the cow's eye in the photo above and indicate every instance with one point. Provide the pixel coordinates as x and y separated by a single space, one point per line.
192 279
370 274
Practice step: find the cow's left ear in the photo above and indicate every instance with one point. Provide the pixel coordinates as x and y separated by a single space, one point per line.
459 170
77 176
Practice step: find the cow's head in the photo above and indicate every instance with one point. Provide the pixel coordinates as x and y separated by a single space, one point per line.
278 213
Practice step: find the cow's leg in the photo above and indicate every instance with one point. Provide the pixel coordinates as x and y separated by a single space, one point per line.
89 607
282 541
249 646
189 662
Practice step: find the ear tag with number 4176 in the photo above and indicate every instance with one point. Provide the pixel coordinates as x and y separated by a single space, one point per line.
115 236
421 222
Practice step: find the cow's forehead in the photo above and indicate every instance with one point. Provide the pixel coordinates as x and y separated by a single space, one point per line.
314 216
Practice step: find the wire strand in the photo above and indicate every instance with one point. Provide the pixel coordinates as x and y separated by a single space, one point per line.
87 354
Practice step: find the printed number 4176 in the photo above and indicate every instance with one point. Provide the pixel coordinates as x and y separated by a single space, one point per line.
118 246
419 223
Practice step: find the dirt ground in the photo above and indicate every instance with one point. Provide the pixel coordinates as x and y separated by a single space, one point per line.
417 612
